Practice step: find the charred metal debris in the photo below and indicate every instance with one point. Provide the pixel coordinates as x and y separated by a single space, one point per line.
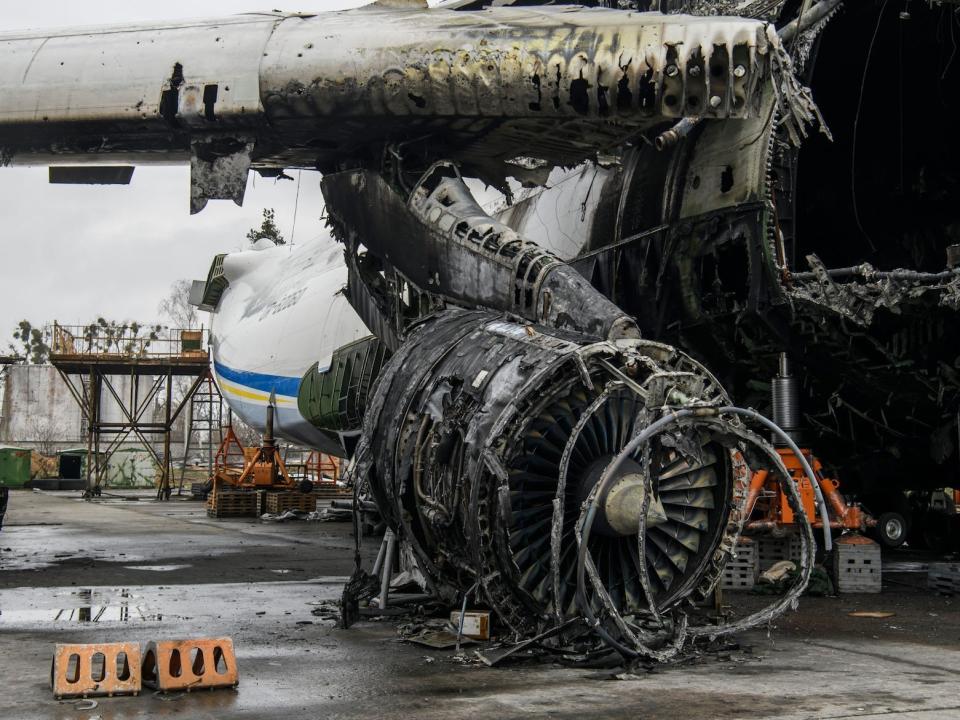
536 467
523 441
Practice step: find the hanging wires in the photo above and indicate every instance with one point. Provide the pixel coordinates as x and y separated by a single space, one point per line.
296 203
856 123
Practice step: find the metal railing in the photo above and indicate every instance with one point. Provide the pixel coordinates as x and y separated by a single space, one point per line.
105 339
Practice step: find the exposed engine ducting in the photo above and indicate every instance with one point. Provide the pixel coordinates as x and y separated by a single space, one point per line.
463 254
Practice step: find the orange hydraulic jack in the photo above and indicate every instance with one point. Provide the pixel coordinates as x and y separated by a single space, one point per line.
323 469
263 467
767 498
229 460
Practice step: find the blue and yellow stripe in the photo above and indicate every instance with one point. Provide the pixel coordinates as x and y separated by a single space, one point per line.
257 387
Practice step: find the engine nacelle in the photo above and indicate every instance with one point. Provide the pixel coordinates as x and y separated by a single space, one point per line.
484 438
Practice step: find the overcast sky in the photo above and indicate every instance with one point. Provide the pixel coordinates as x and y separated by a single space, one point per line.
71 253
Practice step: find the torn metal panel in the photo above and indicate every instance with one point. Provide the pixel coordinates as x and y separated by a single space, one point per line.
91 174
561 214
218 170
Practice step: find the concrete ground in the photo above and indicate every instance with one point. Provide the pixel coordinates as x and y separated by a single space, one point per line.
75 571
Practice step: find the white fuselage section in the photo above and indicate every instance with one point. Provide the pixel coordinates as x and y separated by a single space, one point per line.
283 311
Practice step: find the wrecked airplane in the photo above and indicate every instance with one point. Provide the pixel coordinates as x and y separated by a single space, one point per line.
664 177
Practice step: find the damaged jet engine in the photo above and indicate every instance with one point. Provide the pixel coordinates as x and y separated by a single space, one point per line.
485 454
496 456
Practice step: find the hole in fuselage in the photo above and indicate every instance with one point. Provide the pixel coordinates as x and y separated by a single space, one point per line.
209 102
726 179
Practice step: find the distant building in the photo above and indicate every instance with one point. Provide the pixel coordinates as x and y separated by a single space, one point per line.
38 411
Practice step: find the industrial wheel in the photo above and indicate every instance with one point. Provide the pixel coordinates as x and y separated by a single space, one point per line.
892 529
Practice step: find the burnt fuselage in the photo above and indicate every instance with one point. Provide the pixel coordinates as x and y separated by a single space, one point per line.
735 246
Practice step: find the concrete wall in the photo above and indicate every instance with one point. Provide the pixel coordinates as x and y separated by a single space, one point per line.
37 408
38 411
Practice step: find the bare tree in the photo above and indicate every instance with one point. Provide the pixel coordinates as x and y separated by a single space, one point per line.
45 433
248 436
176 306
176 309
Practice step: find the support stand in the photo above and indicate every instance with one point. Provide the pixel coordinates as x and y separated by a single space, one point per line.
91 360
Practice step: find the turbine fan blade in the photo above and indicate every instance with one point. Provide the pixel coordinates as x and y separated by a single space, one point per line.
689 498
701 478
693 517
684 465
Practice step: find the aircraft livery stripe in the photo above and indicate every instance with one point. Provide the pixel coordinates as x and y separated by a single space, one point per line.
280 384
261 397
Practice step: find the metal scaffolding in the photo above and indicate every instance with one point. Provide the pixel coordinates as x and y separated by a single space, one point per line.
204 418
91 358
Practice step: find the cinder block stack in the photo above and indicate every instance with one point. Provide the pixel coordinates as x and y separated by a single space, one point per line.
771 550
857 566
740 572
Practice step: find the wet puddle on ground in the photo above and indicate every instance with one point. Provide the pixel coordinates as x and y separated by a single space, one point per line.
84 605
27 607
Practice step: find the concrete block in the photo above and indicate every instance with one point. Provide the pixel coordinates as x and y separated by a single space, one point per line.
857 565
199 663
95 669
741 571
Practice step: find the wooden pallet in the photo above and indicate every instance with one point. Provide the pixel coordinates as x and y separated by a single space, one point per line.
332 492
233 503
280 502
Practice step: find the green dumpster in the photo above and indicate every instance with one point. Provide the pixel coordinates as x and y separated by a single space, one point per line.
14 466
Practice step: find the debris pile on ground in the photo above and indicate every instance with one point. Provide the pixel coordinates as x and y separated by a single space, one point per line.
322 515
781 576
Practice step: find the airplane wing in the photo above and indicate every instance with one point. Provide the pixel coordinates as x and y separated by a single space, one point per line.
273 91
